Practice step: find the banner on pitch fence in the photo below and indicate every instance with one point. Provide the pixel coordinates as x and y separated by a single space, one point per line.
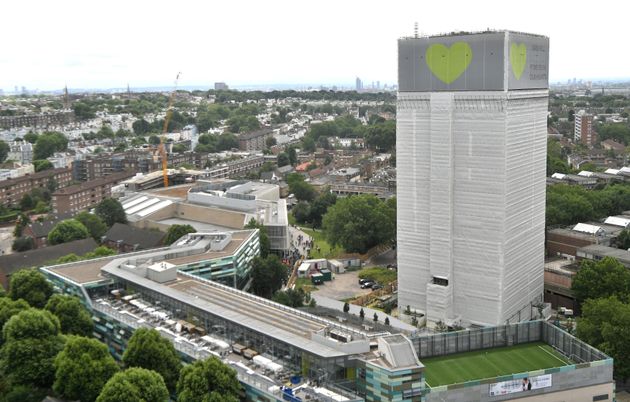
520 385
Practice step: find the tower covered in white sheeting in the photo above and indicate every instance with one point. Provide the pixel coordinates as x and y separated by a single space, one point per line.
471 155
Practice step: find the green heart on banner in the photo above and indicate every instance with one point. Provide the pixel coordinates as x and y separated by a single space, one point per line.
518 59
447 64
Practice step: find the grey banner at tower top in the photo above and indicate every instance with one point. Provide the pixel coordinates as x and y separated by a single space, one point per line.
491 61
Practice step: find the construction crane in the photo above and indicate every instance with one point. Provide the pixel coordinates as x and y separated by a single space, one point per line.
162 149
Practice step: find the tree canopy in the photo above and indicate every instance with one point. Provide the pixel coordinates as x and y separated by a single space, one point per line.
82 368
360 222
111 211
605 324
73 317
48 143
148 349
9 308
175 232
208 381
93 223
67 231
32 341
134 385
595 279
4 151
31 286
268 275
263 238
302 190
569 204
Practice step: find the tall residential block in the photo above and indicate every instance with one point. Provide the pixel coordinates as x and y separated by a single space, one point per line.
584 133
471 151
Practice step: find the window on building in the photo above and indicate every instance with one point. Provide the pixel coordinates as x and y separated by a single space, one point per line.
439 280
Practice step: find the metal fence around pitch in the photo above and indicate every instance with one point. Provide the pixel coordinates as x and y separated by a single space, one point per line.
507 335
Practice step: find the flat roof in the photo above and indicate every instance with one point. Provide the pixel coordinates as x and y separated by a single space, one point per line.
201 226
263 316
88 271
491 363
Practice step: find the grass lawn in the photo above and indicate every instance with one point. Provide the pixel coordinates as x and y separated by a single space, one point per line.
325 250
488 363
305 284
379 274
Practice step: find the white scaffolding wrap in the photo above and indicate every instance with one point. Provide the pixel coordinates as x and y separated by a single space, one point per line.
471 203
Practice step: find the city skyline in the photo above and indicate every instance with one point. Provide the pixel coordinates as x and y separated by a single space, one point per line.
249 43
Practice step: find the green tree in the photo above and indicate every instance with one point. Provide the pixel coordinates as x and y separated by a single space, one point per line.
226 141
31 286
175 232
27 203
141 127
82 368
93 223
111 211
293 159
596 279
73 318
263 238
105 132
623 239
308 144
302 212
268 275
179 148
42 164
359 223
4 151
302 190
31 342
23 393
31 137
48 143
382 136
154 140
134 385
83 111
208 381
283 159
270 142
23 243
319 207
9 308
67 231
148 349
605 324
290 297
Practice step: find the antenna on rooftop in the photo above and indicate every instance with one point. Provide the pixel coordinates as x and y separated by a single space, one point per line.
415 29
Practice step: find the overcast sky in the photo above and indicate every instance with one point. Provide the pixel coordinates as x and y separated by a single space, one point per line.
99 44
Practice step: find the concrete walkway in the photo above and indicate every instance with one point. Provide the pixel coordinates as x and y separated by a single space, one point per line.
369 313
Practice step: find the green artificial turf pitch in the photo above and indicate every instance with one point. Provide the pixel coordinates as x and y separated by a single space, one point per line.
490 363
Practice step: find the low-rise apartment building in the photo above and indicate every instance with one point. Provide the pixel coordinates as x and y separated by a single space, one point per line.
12 190
87 195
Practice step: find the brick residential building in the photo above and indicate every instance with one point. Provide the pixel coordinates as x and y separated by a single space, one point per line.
584 132
82 196
254 141
12 190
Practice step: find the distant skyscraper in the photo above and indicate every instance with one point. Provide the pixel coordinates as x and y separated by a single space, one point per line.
583 132
359 84
220 86
471 151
